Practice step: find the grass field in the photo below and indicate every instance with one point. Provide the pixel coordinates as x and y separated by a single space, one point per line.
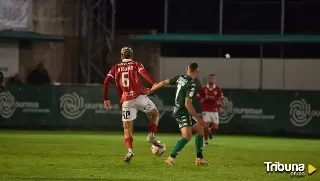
87 156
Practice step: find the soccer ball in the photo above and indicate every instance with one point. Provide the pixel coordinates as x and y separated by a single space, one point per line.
157 150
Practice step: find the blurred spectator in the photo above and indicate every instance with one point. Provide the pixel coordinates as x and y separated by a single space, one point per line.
39 75
15 80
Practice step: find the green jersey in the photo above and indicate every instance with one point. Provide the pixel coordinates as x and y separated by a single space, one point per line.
185 89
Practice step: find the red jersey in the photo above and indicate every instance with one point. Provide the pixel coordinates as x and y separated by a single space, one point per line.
127 77
212 98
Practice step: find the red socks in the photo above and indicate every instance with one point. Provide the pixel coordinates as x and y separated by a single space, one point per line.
128 142
206 134
153 128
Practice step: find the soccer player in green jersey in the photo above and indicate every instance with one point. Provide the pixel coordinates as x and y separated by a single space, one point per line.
184 113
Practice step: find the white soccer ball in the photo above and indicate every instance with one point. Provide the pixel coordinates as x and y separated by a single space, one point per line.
227 55
157 150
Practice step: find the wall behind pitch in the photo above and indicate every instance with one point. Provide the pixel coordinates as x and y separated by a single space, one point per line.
244 73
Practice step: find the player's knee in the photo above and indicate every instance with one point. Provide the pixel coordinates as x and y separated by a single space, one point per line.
187 135
127 133
216 126
126 124
154 115
201 132
198 129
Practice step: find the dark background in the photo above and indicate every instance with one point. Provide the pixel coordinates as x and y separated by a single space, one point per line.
239 17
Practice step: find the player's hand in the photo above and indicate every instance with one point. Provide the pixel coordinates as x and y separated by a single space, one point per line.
202 100
147 91
107 105
202 122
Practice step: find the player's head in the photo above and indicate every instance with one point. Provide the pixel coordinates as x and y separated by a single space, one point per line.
40 66
126 53
193 69
212 79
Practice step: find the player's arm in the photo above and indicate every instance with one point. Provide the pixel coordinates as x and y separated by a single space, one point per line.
189 106
145 74
159 85
164 83
220 96
107 81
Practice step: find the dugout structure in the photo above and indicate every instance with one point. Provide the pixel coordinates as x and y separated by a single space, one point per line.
13 46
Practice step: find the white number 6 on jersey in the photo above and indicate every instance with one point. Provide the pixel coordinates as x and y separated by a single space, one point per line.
125 81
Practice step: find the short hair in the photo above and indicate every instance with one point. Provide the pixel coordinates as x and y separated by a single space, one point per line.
126 52
193 67
213 75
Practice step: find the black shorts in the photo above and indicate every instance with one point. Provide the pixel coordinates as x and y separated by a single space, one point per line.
185 121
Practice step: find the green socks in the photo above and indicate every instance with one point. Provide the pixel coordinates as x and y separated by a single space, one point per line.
181 143
179 146
199 145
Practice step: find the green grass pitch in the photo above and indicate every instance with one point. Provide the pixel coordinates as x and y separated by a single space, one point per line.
87 156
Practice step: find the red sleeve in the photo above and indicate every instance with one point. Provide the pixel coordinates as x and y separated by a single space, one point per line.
107 82
112 72
221 96
201 93
145 74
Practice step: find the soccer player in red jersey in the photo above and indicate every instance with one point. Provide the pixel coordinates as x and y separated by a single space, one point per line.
210 97
132 97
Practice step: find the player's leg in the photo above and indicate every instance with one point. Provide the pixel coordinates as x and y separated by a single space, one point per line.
206 136
147 106
212 117
206 117
215 125
129 114
185 125
128 139
209 131
198 129
153 116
